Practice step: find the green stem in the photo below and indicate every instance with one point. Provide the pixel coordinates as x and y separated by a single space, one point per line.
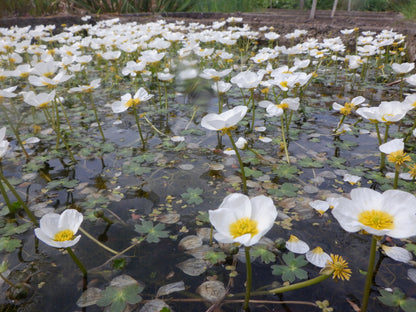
98 242
284 139
19 199
243 173
6 198
291 287
7 281
248 280
16 133
136 116
370 271
378 133
253 110
94 108
396 176
76 260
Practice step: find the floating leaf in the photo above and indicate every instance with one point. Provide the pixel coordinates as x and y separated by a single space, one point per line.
192 195
215 256
308 162
89 297
9 244
153 233
155 305
262 252
285 171
170 288
285 190
392 299
193 267
213 291
119 297
252 172
292 269
190 242
11 229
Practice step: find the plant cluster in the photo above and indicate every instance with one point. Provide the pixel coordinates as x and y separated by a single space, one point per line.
120 115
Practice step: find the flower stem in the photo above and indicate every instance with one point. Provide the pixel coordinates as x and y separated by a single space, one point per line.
98 242
253 110
284 139
136 116
94 108
19 199
76 260
370 271
6 198
243 173
291 287
248 280
396 176
7 281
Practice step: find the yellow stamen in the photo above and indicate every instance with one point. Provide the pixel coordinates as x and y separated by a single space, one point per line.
283 106
346 110
64 235
398 157
340 268
243 226
293 239
376 219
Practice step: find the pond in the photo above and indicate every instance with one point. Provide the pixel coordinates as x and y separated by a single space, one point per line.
105 118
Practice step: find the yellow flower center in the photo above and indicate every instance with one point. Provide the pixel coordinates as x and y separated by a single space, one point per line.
293 239
318 250
398 157
64 235
283 106
386 115
376 219
346 110
132 102
340 268
284 84
243 226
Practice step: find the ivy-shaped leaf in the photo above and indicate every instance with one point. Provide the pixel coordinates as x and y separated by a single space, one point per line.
215 256
192 195
285 171
308 162
9 244
411 247
118 297
11 229
134 168
65 182
265 255
292 269
153 233
392 299
285 190
252 172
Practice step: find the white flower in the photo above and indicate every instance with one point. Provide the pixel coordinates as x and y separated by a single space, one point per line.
391 213
59 230
402 68
352 179
4 144
224 120
240 219
317 257
177 138
294 244
127 100
392 146
319 205
397 253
